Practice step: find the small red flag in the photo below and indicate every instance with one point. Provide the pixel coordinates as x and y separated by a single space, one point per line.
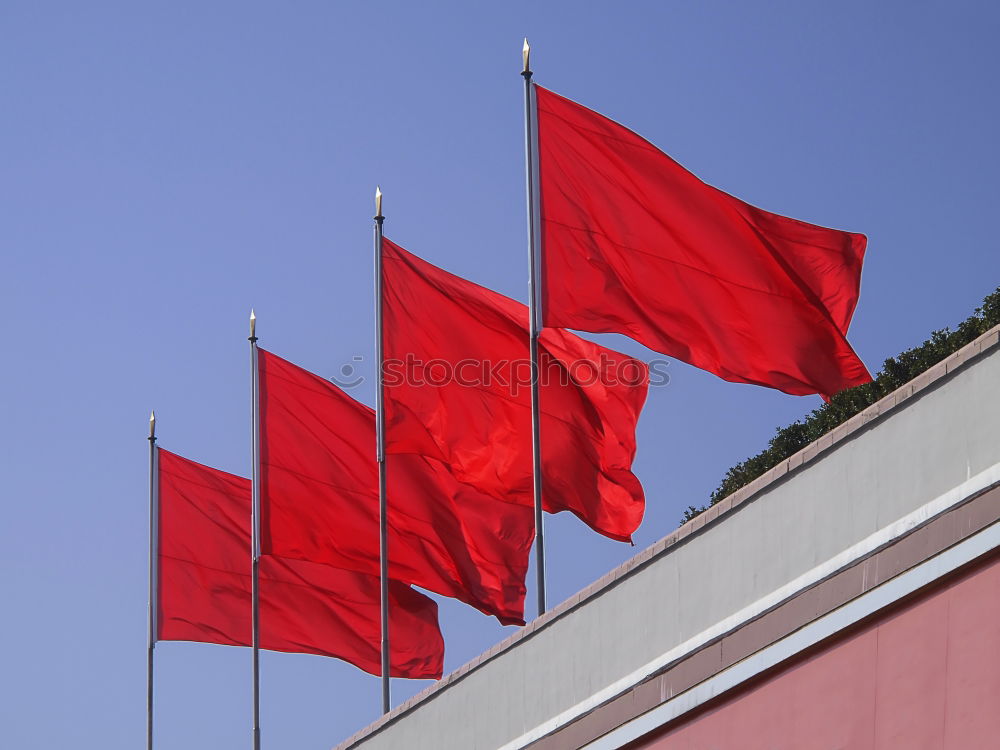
205 585
458 389
635 244
319 500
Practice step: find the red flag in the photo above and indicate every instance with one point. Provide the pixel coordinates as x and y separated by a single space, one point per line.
458 389
205 584
633 243
319 500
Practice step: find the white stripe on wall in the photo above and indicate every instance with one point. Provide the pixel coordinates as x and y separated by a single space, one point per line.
851 555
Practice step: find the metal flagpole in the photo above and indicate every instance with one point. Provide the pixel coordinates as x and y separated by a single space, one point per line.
255 526
534 314
383 534
154 543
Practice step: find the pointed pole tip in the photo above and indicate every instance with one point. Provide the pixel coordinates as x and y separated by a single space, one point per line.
378 202
152 424
253 324
525 56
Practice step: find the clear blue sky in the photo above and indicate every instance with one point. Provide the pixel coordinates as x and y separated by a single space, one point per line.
165 166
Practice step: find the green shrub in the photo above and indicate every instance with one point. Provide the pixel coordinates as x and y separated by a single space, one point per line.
896 371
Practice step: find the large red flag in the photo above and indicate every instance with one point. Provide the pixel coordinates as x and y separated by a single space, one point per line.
458 389
319 500
205 585
633 243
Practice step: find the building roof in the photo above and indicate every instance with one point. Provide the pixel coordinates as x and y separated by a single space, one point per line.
879 466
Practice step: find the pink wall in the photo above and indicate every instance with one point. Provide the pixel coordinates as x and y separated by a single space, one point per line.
926 676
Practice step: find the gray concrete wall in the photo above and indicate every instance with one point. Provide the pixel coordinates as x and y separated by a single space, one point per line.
874 473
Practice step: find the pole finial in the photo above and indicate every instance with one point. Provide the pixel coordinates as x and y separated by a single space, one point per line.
526 56
253 324
152 425
378 202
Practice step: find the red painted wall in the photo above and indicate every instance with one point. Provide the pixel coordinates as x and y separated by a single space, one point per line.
923 677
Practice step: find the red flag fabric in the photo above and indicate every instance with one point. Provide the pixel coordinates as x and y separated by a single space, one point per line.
205 585
458 389
319 500
633 243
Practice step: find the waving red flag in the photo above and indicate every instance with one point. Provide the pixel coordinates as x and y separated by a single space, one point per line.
457 389
319 500
205 585
633 243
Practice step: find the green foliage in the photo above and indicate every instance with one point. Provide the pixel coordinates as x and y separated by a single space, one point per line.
895 372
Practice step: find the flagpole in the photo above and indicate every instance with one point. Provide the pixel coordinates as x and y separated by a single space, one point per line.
534 314
255 526
383 535
153 574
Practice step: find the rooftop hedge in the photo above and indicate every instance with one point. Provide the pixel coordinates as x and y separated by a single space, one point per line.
896 371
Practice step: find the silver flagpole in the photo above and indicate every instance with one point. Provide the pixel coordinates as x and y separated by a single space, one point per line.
154 543
255 526
534 314
383 533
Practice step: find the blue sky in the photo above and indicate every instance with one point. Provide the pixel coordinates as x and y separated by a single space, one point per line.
165 166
